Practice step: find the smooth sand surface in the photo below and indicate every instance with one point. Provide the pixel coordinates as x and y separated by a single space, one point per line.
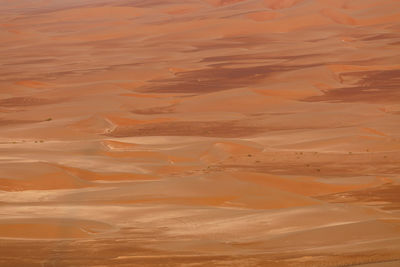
200 133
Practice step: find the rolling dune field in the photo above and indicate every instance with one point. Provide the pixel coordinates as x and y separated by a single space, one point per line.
200 133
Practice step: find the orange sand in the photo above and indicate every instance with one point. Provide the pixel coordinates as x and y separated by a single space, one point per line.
200 133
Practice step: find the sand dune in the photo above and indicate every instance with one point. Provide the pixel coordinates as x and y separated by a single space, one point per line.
200 133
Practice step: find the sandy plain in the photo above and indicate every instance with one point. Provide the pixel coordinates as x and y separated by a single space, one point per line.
200 133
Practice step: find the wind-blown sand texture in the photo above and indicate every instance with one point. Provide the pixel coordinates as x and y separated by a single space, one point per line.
200 133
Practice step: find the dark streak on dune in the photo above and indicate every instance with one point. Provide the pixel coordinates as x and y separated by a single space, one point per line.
192 128
380 37
25 101
32 62
217 79
155 110
373 86
247 41
258 57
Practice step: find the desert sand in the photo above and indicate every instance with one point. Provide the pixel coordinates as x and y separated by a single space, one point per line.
200 133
